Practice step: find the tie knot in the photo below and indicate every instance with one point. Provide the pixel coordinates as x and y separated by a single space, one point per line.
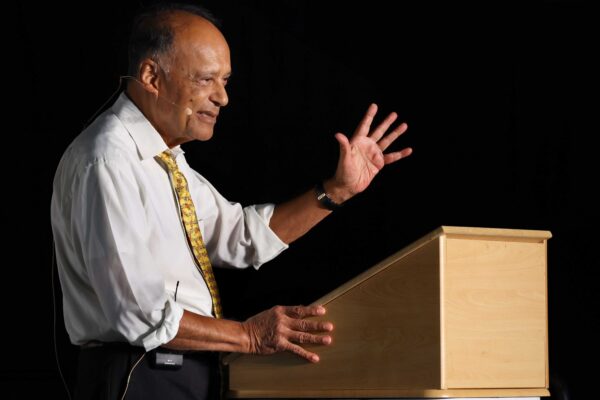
169 161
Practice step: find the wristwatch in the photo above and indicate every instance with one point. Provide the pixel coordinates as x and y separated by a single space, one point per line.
324 198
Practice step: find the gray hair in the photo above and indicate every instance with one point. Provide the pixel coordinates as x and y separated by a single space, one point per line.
152 35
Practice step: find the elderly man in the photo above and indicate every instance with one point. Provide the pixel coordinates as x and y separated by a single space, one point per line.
137 230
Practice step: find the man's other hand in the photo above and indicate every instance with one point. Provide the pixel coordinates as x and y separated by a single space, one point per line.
284 328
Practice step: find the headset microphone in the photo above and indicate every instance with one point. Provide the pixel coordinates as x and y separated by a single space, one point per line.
188 111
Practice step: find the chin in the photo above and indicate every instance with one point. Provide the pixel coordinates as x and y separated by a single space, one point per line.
203 135
205 138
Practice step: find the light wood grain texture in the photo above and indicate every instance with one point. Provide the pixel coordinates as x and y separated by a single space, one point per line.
460 312
495 313
513 235
389 394
407 344
546 309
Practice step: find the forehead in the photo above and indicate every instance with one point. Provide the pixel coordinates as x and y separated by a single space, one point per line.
198 40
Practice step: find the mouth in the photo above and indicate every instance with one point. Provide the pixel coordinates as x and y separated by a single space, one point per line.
208 116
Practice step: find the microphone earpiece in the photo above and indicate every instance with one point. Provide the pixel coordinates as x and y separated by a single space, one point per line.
188 111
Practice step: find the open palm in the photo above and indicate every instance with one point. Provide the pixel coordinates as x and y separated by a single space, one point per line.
362 157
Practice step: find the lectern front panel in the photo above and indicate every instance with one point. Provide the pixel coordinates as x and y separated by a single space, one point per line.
495 313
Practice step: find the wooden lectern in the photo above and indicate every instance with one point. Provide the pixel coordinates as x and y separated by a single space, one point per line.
462 312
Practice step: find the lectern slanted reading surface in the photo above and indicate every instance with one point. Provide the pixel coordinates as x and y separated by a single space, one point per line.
462 312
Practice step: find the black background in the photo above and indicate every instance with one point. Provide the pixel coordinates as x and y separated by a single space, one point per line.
499 98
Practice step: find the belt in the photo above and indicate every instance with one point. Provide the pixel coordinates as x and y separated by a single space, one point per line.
95 344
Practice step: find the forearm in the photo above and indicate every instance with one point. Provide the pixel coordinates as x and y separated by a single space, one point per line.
277 329
292 219
197 332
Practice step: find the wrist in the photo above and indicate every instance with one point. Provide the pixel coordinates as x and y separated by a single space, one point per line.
337 193
329 195
246 339
324 199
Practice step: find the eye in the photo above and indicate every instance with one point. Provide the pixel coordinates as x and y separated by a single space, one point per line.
203 81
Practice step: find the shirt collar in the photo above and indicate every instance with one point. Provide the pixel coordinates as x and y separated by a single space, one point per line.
148 141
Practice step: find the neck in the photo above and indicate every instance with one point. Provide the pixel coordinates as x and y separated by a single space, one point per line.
147 103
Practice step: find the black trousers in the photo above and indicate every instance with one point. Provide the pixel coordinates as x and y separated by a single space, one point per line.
108 371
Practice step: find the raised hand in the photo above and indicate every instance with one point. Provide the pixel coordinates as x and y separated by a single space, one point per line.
362 157
284 328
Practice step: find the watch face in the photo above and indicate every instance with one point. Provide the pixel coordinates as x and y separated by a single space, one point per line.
324 199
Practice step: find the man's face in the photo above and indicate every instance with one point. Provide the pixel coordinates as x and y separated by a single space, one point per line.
195 77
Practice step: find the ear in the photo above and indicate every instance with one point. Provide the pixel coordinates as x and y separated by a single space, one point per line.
149 76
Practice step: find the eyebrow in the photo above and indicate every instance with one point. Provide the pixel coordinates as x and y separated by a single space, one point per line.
208 72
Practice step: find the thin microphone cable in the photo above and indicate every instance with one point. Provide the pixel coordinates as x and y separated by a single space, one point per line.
112 96
129 376
188 111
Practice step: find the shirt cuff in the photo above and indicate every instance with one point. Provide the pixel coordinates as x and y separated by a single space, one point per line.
168 328
267 244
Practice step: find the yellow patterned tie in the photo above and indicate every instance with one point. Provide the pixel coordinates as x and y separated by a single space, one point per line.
192 230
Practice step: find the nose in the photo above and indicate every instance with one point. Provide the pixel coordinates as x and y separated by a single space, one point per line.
219 95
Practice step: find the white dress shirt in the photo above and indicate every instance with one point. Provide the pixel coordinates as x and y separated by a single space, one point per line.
120 245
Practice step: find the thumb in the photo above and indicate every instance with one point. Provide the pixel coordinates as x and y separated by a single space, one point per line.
344 143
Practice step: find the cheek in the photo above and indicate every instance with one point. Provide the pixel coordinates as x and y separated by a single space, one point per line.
198 95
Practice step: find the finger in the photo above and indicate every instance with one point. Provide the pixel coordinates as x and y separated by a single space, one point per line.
344 144
307 325
299 351
304 311
365 123
397 155
307 338
383 127
389 139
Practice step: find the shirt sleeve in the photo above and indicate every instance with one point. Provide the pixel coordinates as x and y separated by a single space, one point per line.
121 270
239 236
